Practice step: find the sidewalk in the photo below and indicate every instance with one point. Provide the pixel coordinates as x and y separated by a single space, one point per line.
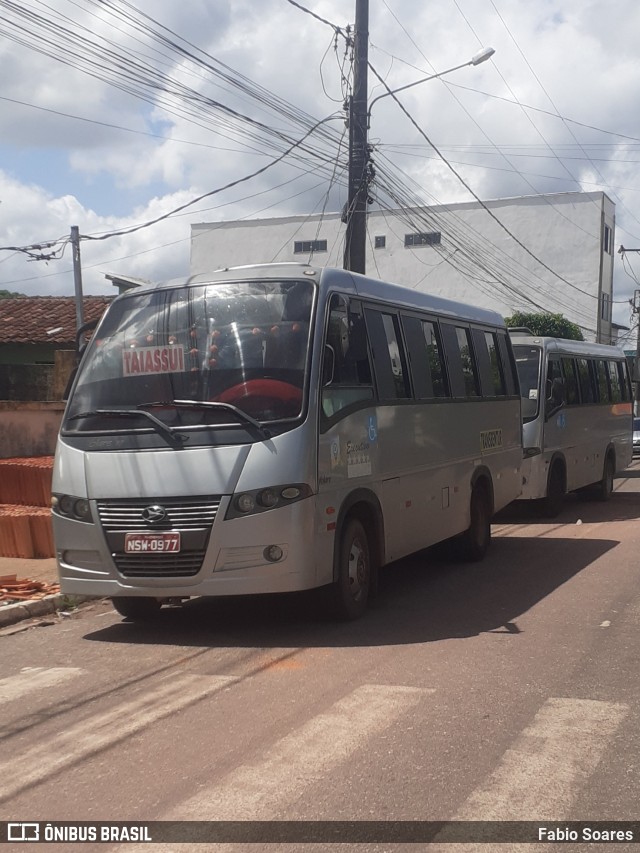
37 570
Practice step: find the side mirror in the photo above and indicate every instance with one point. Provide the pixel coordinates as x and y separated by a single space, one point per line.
86 327
328 365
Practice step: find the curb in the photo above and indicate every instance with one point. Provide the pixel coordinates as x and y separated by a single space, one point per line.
21 610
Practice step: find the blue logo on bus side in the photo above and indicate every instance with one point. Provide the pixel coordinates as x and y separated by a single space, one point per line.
372 429
561 421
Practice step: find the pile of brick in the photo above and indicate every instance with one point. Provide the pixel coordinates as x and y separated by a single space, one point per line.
25 501
12 589
26 481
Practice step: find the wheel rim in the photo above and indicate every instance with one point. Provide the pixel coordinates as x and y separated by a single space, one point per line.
358 569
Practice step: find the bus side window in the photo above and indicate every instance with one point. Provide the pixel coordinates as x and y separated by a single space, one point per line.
602 375
489 367
462 368
425 357
435 358
614 379
587 391
555 385
509 369
572 394
389 359
346 369
623 374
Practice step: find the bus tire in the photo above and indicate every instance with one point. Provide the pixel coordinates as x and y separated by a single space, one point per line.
474 543
604 489
552 504
350 591
139 609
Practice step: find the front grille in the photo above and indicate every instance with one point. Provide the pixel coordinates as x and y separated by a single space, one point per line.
183 565
126 516
192 518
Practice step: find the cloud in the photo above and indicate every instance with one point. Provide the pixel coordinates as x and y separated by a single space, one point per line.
568 57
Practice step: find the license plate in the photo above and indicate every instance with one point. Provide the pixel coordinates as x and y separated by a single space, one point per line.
151 543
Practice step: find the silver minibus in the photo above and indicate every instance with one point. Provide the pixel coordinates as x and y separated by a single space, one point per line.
279 428
577 417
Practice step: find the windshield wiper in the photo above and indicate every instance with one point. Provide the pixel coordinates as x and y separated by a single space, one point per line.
165 431
204 404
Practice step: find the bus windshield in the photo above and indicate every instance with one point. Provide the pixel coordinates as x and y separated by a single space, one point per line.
200 354
528 364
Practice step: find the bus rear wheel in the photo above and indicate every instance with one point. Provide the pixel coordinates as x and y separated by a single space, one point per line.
474 543
604 489
350 591
136 608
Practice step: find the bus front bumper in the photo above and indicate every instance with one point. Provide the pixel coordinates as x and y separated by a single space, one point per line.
242 558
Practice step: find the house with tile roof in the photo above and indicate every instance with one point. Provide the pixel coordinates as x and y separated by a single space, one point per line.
32 330
37 354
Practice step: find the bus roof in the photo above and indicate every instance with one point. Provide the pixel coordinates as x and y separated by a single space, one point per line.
567 346
339 279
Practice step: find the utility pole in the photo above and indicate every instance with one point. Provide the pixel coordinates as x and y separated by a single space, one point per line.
77 275
356 212
636 364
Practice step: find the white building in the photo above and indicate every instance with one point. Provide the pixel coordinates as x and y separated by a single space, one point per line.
534 253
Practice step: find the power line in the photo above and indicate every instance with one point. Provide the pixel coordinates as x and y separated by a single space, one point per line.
207 194
469 189
336 29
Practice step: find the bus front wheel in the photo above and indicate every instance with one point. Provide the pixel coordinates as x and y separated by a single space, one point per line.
136 608
350 591
552 504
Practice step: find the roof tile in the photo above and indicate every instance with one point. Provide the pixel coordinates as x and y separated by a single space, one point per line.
26 319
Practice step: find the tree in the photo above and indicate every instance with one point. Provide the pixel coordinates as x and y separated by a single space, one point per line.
7 294
551 325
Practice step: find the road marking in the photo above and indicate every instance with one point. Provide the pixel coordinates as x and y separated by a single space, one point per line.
100 731
541 775
307 755
34 678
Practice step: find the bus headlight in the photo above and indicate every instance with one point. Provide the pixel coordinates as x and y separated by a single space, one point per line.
268 498
82 509
66 505
78 509
261 500
244 503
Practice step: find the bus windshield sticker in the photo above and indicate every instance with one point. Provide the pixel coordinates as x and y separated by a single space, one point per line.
145 360
490 439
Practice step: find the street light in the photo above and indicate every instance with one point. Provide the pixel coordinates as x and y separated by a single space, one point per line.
476 59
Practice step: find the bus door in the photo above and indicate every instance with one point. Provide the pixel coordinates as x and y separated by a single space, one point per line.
555 407
348 433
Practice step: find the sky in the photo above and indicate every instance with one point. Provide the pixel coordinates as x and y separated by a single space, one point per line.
132 120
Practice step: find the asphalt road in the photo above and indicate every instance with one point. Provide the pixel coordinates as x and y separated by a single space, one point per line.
506 690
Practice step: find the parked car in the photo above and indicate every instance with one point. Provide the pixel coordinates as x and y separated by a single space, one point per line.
636 436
